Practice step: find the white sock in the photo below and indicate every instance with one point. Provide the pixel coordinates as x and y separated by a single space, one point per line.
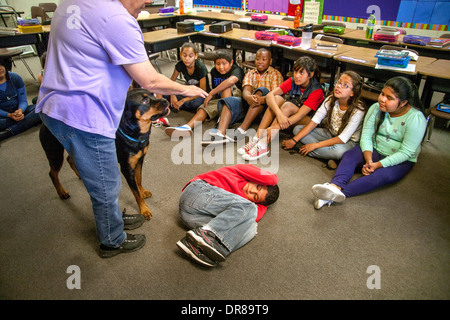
242 130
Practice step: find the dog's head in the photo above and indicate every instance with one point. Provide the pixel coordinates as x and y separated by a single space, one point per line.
141 108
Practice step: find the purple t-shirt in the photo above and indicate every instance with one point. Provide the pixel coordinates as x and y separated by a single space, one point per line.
84 83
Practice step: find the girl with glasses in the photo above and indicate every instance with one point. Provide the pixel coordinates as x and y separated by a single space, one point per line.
341 116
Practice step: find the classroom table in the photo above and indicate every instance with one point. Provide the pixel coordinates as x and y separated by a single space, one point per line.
22 39
323 58
437 76
428 51
156 20
242 39
209 17
363 61
358 38
165 39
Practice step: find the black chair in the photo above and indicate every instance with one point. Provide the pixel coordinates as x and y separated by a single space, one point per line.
11 53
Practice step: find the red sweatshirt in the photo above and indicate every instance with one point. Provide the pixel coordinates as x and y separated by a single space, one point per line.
234 178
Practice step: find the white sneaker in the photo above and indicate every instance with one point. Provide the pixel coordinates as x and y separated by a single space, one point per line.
245 149
256 152
161 122
217 139
319 203
183 131
327 191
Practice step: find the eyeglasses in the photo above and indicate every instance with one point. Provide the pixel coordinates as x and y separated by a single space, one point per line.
342 85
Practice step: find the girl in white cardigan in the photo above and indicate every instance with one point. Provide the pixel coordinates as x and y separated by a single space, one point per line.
341 115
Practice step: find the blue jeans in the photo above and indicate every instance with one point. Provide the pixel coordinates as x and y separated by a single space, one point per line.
334 152
31 119
354 159
238 106
229 216
96 160
190 106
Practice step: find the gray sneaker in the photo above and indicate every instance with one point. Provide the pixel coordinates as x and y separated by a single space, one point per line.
209 243
132 221
133 242
195 253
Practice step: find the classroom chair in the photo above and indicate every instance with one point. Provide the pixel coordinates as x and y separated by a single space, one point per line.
16 52
39 13
152 57
433 114
49 7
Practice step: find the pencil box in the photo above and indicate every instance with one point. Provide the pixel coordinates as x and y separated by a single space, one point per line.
443 107
185 26
419 40
393 58
166 10
386 34
266 35
28 22
280 32
258 17
333 29
289 41
221 27
198 24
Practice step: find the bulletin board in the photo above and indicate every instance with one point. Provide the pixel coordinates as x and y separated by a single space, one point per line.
312 11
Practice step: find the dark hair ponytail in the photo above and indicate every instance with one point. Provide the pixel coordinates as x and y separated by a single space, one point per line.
307 63
405 90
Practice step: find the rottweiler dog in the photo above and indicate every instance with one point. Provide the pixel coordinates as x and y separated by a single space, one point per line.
132 143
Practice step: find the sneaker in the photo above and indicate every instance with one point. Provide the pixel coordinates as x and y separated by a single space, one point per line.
319 203
213 132
239 135
217 139
195 253
133 242
256 152
208 242
182 131
132 221
161 122
327 191
245 149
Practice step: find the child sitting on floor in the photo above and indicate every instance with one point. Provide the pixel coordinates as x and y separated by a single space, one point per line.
226 77
390 142
342 114
305 94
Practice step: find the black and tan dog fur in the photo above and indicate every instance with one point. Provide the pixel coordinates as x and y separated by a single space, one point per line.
132 143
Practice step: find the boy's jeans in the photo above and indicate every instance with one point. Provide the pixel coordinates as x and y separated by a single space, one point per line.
229 216
96 160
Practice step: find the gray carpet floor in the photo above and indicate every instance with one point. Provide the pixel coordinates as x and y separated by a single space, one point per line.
299 253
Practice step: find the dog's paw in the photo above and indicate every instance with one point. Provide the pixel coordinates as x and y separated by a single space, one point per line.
147 214
147 194
64 195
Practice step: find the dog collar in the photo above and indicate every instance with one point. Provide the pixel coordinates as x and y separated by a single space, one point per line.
131 138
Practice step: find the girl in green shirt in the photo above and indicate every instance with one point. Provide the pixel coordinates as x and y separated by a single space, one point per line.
390 142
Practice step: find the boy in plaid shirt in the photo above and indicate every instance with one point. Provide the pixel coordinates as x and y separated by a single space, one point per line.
256 84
